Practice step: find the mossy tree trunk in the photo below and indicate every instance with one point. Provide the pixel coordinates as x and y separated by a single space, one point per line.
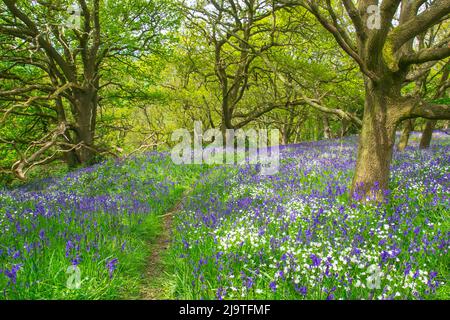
85 118
376 143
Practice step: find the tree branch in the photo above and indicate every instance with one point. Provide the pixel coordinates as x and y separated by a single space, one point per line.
408 30
425 55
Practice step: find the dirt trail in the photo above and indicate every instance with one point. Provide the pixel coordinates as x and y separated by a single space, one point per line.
155 286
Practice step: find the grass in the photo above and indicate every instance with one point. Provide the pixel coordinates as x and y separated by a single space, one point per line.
99 219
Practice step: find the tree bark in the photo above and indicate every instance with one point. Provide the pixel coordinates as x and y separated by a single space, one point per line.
85 117
344 127
376 144
427 134
408 126
69 155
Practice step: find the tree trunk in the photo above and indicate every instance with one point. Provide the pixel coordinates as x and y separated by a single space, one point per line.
427 134
69 155
408 126
326 128
376 144
85 118
284 136
344 127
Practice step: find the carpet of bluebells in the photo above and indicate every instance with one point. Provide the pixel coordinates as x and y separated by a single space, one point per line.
239 235
296 235
85 235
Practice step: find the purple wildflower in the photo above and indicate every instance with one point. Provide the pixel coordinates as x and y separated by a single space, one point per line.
12 274
111 265
315 260
273 286
302 290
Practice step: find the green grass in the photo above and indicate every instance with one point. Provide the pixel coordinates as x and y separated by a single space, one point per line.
94 215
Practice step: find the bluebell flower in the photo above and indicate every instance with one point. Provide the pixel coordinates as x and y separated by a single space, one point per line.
111 265
303 290
12 274
273 286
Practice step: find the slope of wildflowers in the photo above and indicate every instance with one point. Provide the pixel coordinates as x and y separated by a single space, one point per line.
295 235
84 235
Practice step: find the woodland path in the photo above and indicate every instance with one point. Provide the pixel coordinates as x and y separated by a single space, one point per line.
155 285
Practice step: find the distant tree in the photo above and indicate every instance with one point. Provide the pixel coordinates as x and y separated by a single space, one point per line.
254 58
238 33
440 93
425 78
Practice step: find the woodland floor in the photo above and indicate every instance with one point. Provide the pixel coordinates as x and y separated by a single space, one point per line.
143 228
